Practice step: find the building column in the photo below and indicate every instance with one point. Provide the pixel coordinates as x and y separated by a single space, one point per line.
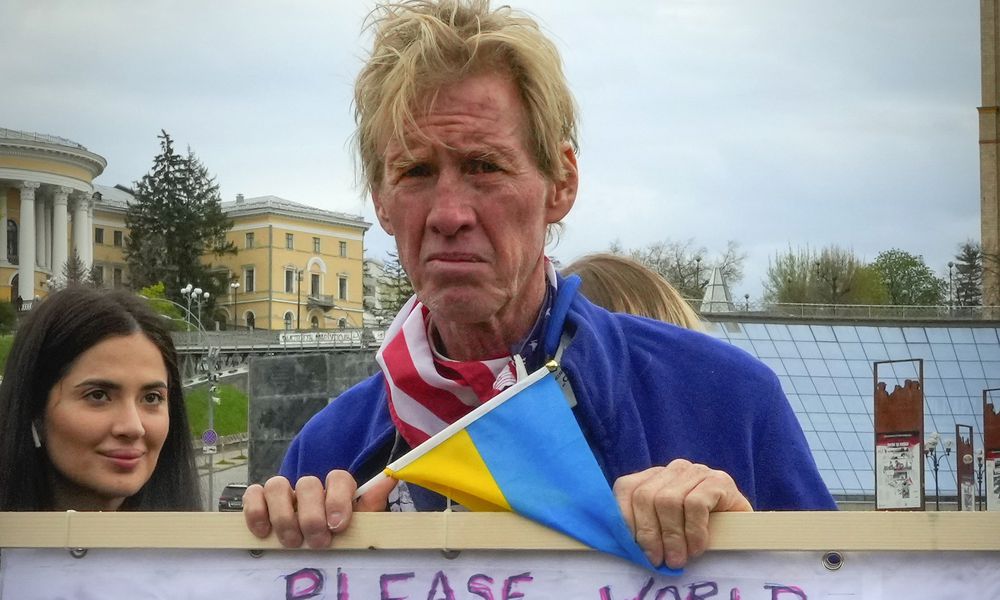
60 230
88 263
81 237
47 230
39 231
4 259
26 242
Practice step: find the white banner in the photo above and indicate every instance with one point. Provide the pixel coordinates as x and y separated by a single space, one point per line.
37 574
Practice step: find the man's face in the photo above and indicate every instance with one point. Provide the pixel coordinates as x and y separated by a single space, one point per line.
469 207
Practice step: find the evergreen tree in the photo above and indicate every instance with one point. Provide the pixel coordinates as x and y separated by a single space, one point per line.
176 221
74 272
967 281
394 288
908 280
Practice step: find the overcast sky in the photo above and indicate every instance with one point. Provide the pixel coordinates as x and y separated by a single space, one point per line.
773 123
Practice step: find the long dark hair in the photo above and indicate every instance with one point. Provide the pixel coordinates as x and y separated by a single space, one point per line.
59 329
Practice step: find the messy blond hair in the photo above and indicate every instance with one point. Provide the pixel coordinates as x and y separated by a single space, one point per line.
421 45
621 284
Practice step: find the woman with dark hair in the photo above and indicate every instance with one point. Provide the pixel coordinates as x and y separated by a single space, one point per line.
91 410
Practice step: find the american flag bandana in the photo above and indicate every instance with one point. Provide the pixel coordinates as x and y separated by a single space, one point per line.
428 391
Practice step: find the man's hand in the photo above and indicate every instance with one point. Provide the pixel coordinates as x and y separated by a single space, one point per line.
309 512
667 508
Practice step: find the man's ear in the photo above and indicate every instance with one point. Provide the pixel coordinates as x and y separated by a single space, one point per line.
564 195
380 212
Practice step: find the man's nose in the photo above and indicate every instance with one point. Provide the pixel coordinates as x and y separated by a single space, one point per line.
452 209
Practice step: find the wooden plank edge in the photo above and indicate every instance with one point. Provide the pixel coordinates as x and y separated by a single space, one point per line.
932 531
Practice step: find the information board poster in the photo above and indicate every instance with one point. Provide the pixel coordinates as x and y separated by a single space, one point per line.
993 480
898 481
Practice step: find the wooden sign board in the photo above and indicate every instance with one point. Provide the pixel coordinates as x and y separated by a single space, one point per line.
767 556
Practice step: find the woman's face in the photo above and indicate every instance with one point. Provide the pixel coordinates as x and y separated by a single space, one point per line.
105 423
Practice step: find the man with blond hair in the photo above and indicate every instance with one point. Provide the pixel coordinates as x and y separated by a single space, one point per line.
467 138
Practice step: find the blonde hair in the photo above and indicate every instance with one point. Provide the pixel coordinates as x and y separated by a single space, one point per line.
621 284
421 45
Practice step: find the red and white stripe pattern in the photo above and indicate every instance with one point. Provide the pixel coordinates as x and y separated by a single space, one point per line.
427 391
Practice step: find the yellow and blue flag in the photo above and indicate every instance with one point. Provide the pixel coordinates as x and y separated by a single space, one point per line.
524 452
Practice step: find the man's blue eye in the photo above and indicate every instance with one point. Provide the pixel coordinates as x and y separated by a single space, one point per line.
417 171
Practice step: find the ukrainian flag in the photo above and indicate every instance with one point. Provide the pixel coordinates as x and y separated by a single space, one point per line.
523 451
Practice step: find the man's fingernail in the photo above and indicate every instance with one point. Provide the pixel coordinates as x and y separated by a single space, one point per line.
675 560
334 520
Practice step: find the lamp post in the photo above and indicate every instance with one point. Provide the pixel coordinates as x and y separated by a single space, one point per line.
209 435
746 302
697 274
235 285
931 451
951 286
298 299
186 293
980 469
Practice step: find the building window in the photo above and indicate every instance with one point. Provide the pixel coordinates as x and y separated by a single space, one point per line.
251 320
342 288
314 288
98 235
316 245
117 274
289 241
289 281
98 275
248 280
119 238
343 249
314 322
12 241
249 240
288 320
342 323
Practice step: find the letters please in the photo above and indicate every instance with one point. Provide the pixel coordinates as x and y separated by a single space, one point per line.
310 582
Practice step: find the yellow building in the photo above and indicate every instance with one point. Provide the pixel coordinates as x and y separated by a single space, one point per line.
297 267
46 210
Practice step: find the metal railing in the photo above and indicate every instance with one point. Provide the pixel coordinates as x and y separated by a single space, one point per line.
848 311
262 339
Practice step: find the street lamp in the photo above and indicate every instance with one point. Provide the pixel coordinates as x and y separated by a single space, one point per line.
951 285
186 293
198 296
697 274
298 299
746 300
235 285
209 437
932 453
980 469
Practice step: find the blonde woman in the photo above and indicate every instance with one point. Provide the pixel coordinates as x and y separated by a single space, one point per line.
621 284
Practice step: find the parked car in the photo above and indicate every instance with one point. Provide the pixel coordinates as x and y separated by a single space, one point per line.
231 499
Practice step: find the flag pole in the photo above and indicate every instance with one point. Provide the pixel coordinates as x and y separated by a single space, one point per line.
436 440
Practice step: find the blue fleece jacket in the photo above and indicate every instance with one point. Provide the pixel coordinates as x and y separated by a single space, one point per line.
647 392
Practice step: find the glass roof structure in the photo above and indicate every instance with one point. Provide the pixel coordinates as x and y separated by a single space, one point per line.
826 371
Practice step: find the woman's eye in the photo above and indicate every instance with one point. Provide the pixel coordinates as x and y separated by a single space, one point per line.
97 395
154 398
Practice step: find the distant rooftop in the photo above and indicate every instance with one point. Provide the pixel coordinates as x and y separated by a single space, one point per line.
31 136
276 204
